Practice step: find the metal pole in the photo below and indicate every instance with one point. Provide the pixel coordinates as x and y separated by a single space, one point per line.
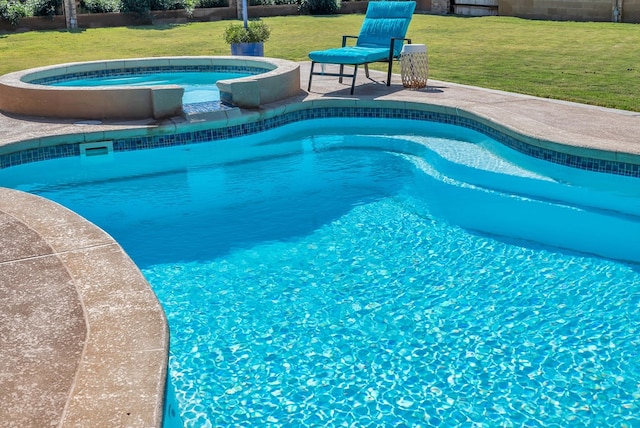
244 14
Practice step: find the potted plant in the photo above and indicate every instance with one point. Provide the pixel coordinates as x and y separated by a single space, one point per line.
247 38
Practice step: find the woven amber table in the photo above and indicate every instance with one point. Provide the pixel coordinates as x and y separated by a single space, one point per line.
414 67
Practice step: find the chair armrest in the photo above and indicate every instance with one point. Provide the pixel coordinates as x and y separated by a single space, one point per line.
344 39
393 45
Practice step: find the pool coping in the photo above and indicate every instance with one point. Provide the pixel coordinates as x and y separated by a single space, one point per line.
96 338
103 390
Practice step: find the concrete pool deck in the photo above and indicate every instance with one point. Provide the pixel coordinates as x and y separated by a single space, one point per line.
85 340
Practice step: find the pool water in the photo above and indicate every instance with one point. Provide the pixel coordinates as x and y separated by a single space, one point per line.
198 86
347 273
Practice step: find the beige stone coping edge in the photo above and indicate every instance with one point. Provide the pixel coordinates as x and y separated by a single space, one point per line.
19 96
112 372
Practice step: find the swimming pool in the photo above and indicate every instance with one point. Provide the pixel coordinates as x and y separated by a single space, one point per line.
199 86
397 300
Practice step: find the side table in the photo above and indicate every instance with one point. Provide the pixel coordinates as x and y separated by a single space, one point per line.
414 67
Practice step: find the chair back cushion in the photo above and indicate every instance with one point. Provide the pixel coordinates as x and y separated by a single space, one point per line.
385 20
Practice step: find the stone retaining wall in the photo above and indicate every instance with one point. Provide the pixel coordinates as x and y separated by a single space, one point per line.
576 10
157 17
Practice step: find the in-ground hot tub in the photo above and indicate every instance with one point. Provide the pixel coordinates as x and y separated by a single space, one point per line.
27 92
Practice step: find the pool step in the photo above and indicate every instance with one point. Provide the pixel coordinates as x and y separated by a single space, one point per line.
210 110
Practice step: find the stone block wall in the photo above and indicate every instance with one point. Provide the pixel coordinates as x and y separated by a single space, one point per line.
438 7
631 11
572 10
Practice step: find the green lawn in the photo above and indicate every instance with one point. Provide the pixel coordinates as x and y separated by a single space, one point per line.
593 63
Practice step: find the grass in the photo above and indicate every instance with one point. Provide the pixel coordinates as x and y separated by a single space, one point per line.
591 63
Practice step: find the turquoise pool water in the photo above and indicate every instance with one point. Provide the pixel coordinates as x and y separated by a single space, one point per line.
376 273
199 86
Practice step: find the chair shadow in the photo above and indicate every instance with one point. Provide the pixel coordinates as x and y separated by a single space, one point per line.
374 88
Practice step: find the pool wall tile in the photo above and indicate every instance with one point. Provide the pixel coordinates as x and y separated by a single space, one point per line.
44 74
84 71
85 67
148 63
18 147
334 103
186 61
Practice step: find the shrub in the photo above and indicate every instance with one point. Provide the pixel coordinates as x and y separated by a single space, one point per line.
13 10
189 6
258 31
212 3
44 7
164 4
101 6
272 2
141 7
319 7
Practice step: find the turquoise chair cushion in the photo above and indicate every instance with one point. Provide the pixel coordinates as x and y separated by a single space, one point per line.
350 55
383 21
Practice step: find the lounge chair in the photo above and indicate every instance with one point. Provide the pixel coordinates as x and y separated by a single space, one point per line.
380 40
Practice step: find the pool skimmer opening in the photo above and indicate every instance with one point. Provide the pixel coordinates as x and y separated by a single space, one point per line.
99 148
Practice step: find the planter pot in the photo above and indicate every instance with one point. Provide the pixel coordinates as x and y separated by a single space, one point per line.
248 49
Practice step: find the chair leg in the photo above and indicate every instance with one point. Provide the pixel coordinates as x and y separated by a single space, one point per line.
355 73
366 70
341 73
311 75
389 73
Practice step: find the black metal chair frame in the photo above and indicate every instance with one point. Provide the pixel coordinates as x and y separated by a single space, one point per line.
342 74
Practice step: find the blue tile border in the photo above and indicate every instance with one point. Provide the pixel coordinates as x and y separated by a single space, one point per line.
207 135
128 71
39 154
